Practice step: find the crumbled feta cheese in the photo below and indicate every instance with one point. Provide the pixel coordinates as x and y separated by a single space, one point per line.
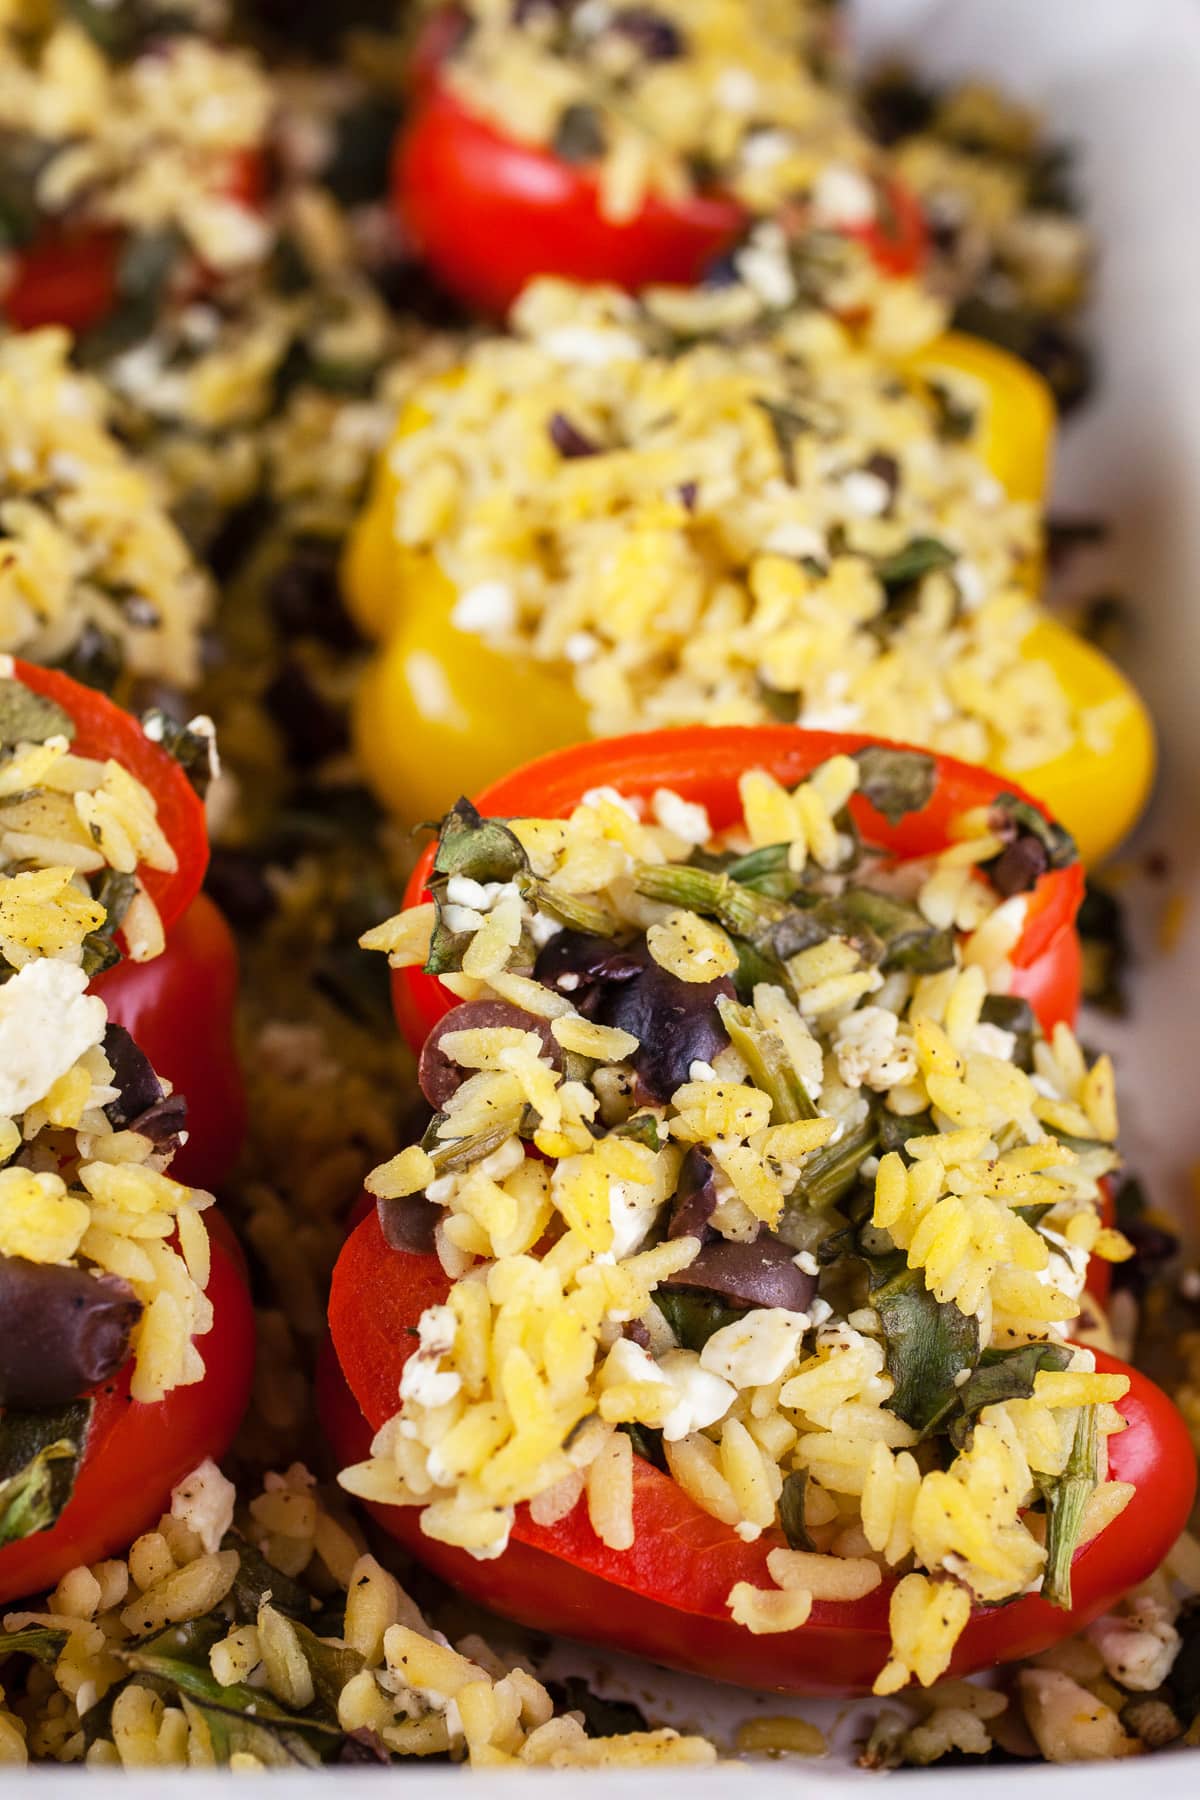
422 1381
686 819
598 795
631 1208
701 1071
462 891
807 1262
972 587
839 715
490 606
993 1040
737 90
795 539
703 1398
589 347
204 1502
461 918
765 149
629 1362
756 1348
843 197
542 928
865 493
581 647
503 1161
47 1021
869 1051
764 267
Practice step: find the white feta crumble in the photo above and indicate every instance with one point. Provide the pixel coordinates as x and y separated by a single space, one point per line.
422 1381
737 90
972 587
807 1263
542 928
631 1209
701 1071
838 715
703 1398
204 1502
993 1040
842 196
461 918
866 494
502 1162
795 539
597 796
47 1021
590 347
581 647
764 267
870 1052
756 1348
687 819
488 607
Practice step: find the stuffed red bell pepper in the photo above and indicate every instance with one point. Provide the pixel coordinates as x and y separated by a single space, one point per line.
126 1333
728 1293
633 146
113 805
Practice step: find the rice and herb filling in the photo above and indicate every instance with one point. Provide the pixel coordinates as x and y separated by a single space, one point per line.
786 527
745 1159
95 574
101 1252
673 98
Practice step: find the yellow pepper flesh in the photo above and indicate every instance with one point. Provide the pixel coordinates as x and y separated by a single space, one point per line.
439 713
1014 432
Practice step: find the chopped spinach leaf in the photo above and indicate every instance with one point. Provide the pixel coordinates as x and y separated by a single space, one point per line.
920 556
791 1510
928 1344
1002 1375
896 782
29 718
694 1316
193 746
40 1454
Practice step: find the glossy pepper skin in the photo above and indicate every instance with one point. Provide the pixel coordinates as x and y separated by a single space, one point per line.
489 213
665 1598
704 764
136 1453
439 712
180 1005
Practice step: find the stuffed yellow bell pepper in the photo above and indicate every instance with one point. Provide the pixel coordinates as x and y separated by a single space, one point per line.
584 533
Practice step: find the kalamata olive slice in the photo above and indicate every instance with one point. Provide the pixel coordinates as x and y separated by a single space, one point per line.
61 1330
694 1199
675 1022
133 1074
579 963
439 1077
762 1273
410 1224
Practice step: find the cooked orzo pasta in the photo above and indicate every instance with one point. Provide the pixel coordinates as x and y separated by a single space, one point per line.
743 1150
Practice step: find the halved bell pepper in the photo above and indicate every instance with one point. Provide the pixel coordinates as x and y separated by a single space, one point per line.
135 1451
666 1597
179 1006
704 764
438 712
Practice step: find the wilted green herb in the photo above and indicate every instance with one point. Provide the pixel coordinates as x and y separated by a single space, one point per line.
1001 1375
791 1510
1066 1498
115 892
193 749
39 1460
29 718
927 1343
769 1065
694 1315
920 556
896 782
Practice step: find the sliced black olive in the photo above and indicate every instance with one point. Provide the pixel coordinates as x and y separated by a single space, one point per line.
61 1331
